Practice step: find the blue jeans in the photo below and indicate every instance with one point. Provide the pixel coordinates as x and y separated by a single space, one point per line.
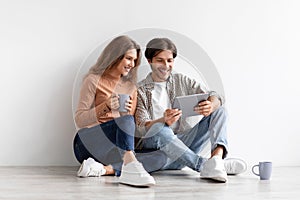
107 142
183 149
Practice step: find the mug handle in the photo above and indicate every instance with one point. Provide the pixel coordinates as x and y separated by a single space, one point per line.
254 171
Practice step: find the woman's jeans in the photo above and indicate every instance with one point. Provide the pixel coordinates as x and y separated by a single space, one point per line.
107 142
183 149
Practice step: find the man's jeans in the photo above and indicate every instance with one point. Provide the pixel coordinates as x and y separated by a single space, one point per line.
183 149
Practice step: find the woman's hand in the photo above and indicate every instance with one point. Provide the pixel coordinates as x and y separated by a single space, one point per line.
113 102
128 105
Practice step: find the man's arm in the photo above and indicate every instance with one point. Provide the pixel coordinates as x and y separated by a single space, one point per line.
170 117
205 107
148 124
215 101
142 113
195 87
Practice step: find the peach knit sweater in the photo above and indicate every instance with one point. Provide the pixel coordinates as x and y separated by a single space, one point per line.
95 90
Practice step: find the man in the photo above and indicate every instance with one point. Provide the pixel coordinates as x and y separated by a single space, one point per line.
161 127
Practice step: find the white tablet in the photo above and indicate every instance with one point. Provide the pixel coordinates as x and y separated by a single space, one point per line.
187 103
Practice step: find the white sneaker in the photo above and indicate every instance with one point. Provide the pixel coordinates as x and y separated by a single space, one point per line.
214 169
134 174
234 166
90 167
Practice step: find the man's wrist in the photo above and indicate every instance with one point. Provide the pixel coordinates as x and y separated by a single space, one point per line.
166 123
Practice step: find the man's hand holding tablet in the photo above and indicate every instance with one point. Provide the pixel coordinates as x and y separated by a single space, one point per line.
204 108
171 116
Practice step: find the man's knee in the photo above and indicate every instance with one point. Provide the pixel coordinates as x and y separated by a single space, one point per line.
164 137
161 134
155 129
221 111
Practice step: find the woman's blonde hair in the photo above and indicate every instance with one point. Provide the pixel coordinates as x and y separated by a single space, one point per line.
112 55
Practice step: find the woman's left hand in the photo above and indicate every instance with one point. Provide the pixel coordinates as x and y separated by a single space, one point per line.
128 105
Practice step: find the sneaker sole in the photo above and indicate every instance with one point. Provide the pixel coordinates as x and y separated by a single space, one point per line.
217 179
137 184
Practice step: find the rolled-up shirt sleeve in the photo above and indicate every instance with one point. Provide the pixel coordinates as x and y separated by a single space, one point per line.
142 112
196 88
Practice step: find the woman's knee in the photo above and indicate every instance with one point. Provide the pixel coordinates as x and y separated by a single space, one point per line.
125 120
126 124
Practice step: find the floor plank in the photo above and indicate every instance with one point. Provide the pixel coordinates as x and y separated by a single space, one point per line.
32 183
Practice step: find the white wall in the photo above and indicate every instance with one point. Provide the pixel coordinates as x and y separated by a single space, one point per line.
254 45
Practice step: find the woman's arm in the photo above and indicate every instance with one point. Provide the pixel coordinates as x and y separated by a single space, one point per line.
87 114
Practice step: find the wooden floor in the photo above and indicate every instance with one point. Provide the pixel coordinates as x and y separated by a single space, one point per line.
33 183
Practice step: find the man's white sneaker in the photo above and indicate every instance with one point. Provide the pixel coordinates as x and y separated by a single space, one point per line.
134 174
234 166
214 169
90 167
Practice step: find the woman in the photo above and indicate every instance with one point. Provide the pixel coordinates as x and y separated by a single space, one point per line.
107 135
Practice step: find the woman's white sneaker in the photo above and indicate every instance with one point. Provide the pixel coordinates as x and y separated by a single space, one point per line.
91 168
134 174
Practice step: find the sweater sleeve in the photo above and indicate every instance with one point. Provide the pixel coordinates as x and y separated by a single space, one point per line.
87 114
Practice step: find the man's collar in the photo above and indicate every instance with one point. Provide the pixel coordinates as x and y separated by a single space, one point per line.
149 79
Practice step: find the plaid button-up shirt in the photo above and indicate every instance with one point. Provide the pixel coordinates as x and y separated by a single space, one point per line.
177 85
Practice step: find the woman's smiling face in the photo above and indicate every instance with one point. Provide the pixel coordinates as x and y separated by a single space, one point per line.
128 62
